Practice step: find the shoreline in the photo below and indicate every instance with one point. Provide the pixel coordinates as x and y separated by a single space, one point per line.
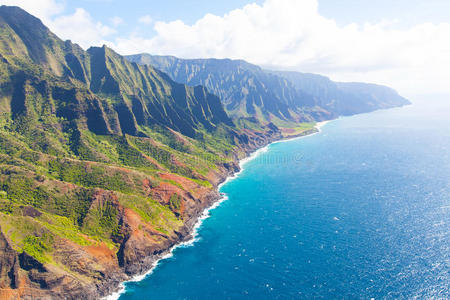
318 128
192 237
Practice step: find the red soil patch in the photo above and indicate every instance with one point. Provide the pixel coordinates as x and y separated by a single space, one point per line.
164 191
288 130
138 226
184 182
101 252
133 219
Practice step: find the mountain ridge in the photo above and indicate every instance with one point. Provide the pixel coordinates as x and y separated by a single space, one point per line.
106 164
347 95
93 68
245 89
101 160
291 88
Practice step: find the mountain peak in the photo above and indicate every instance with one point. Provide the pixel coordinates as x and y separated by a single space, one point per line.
27 38
16 16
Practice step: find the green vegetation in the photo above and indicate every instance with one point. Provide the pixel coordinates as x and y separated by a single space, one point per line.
102 221
38 247
100 157
175 202
297 129
159 216
84 139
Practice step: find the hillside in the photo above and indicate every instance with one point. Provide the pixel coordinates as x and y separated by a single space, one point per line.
102 161
106 163
248 90
245 89
344 98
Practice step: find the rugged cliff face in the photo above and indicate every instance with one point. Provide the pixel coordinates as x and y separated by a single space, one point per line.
247 90
9 265
104 164
126 95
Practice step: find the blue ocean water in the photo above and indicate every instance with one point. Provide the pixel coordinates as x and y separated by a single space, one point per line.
358 211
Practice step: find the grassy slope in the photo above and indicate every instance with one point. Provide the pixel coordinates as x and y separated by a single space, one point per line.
99 153
70 172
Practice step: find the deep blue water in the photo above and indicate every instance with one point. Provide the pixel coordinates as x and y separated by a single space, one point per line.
360 210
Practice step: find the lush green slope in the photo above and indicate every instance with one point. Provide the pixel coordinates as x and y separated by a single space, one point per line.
105 163
102 161
247 90
147 96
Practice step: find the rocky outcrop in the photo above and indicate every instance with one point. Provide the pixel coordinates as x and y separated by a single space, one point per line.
9 265
23 277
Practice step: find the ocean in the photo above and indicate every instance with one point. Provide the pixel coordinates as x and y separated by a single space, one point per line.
360 210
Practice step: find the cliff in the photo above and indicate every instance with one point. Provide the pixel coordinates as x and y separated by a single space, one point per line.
104 164
344 98
276 96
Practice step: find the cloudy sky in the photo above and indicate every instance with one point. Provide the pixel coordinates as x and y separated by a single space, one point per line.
401 43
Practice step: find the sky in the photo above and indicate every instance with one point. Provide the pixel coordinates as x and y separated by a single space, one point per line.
404 44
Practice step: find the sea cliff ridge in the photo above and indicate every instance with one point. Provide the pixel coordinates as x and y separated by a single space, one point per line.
106 164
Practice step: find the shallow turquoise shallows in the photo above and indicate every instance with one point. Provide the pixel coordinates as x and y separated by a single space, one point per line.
360 210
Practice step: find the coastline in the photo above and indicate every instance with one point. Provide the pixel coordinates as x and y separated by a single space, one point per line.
316 130
319 125
191 238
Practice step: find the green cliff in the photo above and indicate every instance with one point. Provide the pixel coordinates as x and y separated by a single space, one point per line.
279 97
104 163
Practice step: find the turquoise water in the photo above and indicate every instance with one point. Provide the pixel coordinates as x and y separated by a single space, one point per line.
360 210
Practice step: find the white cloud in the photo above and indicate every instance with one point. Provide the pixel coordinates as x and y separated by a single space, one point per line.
78 26
291 34
43 9
146 20
281 34
116 21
